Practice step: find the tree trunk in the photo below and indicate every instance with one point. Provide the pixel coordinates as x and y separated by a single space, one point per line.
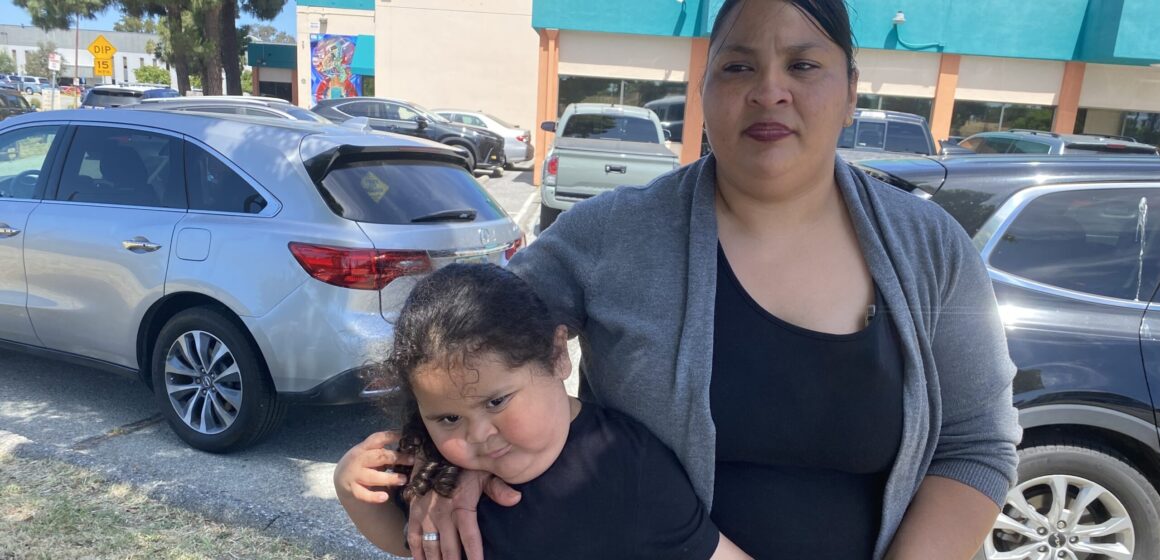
230 51
178 56
212 24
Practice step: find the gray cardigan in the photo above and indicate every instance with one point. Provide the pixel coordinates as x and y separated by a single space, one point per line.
634 272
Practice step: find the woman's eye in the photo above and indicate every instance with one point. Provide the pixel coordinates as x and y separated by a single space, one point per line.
734 68
448 420
802 66
498 402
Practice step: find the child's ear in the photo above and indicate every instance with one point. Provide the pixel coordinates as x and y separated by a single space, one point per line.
563 365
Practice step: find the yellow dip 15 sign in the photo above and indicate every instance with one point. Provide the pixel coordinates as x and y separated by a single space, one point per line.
103 67
102 48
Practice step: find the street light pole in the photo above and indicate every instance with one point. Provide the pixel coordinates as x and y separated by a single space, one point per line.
76 59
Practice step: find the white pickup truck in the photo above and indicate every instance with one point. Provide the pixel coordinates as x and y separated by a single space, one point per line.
598 148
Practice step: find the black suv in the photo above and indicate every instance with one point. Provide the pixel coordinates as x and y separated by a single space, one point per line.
484 148
1073 249
12 103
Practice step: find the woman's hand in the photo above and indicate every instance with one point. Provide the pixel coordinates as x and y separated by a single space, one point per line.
454 519
359 480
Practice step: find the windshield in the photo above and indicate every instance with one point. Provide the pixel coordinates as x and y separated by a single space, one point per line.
611 127
500 121
431 116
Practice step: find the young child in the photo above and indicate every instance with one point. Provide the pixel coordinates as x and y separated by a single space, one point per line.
485 365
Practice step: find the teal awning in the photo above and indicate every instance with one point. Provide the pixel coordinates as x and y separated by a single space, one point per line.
363 61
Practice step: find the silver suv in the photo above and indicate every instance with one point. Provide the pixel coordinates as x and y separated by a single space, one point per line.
234 264
1021 141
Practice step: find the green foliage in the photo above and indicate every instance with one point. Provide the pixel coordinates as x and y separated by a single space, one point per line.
7 65
268 34
195 81
151 75
35 102
131 24
36 62
60 14
247 81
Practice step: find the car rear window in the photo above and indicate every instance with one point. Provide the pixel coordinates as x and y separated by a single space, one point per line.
611 127
160 94
906 137
403 191
1097 148
109 98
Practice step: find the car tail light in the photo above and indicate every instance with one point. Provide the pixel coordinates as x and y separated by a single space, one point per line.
551 170
358 269
516 246
521 138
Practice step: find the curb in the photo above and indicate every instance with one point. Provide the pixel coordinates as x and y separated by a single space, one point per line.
297 527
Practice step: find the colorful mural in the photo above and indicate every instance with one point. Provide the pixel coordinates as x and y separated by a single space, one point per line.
330 73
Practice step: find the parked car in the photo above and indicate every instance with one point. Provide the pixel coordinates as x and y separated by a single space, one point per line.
12 103
517 147
485 149
1073 249
671 111
31 84
233 264
105 96
1021 141
874 132
599 147
270 107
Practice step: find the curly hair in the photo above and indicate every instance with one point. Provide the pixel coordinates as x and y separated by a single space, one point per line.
459 312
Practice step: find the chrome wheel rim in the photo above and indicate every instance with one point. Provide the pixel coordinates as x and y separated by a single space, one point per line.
1061 516
203 382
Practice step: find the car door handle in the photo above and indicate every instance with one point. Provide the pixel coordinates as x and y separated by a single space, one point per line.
622 169
140 245
8 231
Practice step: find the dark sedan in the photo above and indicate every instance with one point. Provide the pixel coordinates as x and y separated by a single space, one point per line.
485 149
1073 250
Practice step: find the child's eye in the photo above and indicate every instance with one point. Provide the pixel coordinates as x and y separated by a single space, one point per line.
449 420
498 402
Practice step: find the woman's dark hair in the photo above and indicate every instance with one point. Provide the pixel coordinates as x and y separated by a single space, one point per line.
450 318
831 17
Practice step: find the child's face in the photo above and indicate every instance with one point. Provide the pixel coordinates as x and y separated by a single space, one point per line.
487 416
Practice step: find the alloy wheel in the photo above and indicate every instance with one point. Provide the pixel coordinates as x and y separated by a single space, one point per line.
1061 516
203 382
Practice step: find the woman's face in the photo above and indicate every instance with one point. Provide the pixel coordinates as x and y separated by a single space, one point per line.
777 92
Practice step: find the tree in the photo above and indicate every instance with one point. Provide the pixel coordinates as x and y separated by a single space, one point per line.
36 62
130 24
59 14
7 65
180 43
151 75
269 34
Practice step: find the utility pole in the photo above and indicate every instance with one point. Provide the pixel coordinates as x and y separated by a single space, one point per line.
76 59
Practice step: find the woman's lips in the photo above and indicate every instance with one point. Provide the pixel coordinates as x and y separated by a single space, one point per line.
768 131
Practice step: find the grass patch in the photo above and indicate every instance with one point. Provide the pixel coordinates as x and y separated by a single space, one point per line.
50 509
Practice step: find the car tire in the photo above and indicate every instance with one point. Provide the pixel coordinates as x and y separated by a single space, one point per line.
1111 487
470 157
497 172
547 216
211 383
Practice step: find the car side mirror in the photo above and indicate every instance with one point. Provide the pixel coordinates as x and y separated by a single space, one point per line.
668 135
549 126
422 122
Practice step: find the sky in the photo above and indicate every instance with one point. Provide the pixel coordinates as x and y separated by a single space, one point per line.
13 15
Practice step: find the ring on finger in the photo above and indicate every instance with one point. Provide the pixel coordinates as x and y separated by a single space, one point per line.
431 536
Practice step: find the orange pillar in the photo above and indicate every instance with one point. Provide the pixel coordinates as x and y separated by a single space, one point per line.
944 96
1069 89
254 80
294 86
548 95
694 112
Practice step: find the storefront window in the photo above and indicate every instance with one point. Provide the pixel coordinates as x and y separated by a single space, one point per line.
920 106
585 89
971 117
1139 125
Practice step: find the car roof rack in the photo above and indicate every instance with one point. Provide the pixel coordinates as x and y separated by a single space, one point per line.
1036 132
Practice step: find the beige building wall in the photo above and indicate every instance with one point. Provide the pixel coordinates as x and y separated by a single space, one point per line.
465 54
331 21
1125 88
909 74
629 57
1009 80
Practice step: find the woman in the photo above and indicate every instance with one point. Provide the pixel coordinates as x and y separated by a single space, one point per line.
822 351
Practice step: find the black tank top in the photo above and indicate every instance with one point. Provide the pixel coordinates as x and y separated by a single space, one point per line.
808 426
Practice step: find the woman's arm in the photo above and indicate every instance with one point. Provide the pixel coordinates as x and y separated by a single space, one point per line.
947 519
726 550
359 480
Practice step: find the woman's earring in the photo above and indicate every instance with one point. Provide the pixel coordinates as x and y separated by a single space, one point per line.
849 121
